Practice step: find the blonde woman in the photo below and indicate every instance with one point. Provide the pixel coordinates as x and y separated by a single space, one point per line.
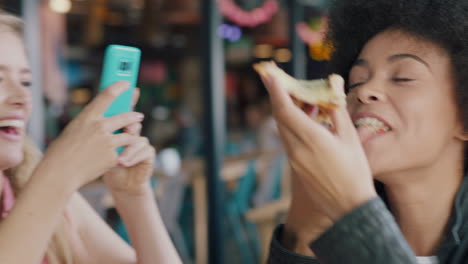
44 219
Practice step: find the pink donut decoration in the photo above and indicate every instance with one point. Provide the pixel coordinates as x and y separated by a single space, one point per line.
253 18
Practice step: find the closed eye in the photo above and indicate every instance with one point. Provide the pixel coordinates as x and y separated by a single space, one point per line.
402 80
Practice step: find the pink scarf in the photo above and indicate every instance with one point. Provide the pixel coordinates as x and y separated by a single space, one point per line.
8 200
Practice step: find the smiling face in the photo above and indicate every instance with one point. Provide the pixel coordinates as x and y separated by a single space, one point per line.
15 98
401 99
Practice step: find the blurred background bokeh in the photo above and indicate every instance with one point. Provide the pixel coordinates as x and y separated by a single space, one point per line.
66 42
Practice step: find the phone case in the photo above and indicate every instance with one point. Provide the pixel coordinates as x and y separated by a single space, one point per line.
121 63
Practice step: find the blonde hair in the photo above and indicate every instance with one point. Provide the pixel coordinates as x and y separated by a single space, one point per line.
58 251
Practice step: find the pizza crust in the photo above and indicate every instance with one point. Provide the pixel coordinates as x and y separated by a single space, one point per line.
307 93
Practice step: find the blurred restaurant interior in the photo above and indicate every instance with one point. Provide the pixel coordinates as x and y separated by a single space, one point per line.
221 178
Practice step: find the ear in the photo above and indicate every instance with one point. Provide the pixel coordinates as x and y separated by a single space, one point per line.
461 133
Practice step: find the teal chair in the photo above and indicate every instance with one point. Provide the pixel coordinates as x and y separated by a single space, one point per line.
237 203
270 189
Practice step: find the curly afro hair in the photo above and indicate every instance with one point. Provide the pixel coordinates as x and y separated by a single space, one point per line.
352 23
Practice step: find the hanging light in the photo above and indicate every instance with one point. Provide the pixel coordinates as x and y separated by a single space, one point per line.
283 55
230 32
60 6
263 51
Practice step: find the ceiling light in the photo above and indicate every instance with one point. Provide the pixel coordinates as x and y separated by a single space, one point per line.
60 6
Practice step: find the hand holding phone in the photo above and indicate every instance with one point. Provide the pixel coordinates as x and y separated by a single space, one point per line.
121 63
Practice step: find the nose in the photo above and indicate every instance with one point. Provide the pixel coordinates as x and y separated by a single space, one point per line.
14 93
370 93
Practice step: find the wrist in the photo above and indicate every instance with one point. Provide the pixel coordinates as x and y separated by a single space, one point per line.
353 202
291 240
303 226
298 239
55 178
143 191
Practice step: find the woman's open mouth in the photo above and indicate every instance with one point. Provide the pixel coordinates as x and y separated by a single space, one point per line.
11 129
369 127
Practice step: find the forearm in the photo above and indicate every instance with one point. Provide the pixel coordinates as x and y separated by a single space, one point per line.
298 232
146 228
31 223
303 224
368 234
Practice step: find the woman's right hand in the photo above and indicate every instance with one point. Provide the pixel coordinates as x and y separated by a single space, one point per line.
87 147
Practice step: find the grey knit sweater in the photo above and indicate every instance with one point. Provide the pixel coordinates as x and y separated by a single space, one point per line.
369 234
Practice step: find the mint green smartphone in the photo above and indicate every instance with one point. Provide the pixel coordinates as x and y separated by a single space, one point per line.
121 63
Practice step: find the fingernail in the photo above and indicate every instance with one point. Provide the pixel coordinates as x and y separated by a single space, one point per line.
140 116
116 89
123 85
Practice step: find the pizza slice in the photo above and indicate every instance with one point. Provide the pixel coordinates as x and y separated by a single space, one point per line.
314 97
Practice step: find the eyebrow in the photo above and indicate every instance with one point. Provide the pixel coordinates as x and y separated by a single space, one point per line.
365 63
406 56
22 71
360 62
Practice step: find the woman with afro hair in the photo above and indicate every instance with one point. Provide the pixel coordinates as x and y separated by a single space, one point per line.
388 184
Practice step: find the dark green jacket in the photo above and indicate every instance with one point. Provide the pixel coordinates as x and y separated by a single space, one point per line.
369 234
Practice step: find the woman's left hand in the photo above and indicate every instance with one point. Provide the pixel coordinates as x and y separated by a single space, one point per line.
135 163
331 166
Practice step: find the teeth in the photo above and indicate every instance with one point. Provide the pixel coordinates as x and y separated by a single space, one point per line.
12 123
372 123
